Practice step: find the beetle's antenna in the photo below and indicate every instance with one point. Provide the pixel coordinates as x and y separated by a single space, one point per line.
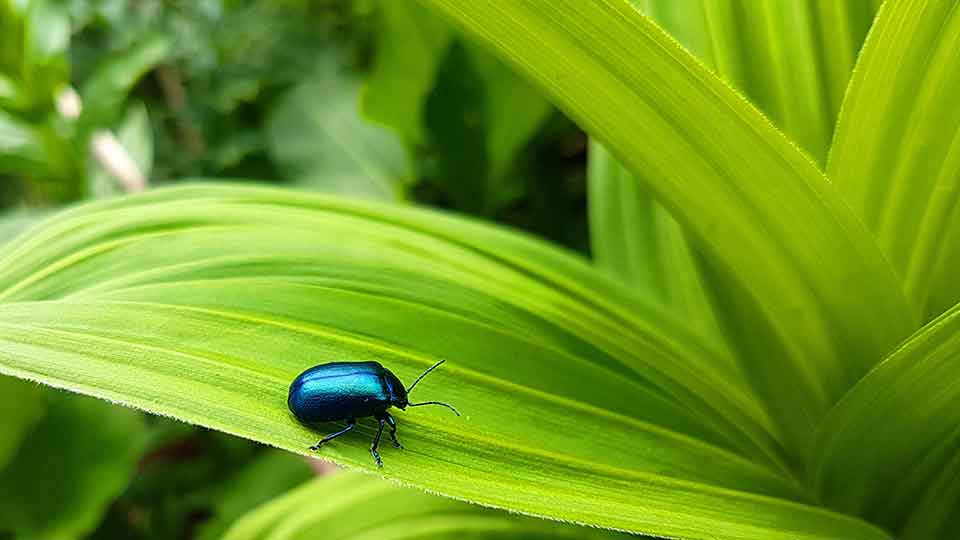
447 405
424 374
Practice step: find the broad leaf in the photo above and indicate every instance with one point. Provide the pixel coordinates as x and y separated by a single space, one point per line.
888 451
790 260
204 303
635 239
897 152
356 506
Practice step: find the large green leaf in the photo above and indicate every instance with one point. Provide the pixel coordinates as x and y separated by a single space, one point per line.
897 152
791 60
637 240
353 506
203 303
791 261
70 467
888 451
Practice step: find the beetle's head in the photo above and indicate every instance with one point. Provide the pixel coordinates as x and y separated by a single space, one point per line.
398 394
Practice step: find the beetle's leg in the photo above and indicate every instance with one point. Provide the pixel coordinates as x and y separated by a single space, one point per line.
376 443
393 429
350 425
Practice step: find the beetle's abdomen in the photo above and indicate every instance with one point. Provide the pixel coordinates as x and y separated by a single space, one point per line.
338 391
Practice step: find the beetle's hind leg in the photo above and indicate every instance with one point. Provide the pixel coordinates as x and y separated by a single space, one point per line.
351 423
392 423
376 442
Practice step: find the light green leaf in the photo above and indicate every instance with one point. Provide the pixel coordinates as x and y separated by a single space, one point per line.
23 406
355 506
635 239
792 60
889 448
203 303
897 151
320 140
71 466
411 42
269 476
792 261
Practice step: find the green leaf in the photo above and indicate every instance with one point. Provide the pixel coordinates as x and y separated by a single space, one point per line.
792 261
897 151
319 139
411 43
105 91
357 506
791 59
77 460
271 475
638 241
889 448
632 235
203 303
23 406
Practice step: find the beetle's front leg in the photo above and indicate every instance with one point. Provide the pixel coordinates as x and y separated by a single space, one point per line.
393 429
350 425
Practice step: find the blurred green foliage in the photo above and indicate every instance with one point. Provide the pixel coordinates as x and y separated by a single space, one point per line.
365 98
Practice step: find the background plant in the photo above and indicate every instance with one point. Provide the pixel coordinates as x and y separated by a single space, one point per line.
733 372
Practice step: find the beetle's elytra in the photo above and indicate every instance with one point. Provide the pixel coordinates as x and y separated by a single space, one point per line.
351 390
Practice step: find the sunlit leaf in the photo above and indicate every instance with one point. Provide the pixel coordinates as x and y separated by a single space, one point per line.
888 451
897 152
355 506
204 303
789 260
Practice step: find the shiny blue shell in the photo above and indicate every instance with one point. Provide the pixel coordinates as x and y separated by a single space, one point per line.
344 390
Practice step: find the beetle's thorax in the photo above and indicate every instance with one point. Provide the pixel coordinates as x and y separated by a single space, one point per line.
398 393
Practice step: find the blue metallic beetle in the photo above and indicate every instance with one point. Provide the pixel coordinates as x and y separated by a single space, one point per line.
351 390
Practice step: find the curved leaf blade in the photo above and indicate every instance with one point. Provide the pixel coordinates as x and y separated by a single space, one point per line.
340 504
897 150
906 412
774 228
203 303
